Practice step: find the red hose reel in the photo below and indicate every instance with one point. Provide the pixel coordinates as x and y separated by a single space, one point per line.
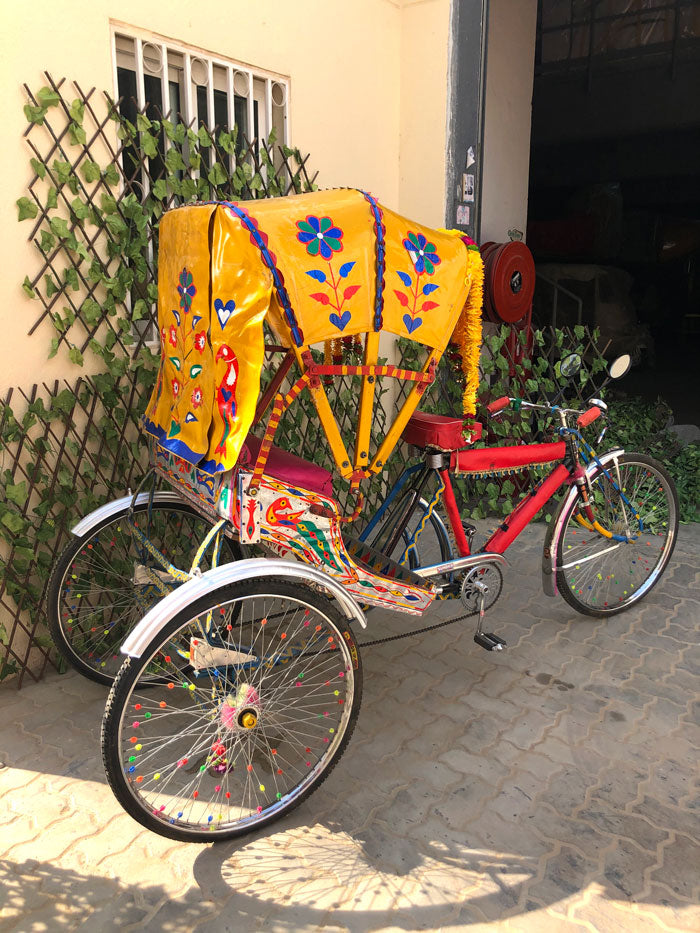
509 286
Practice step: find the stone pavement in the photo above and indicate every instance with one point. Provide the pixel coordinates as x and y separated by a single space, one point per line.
553 787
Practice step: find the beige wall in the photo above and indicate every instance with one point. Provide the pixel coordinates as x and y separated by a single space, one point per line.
509 79
368 92
425 33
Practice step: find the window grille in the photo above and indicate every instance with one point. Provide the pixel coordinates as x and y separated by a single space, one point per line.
162 79
187 85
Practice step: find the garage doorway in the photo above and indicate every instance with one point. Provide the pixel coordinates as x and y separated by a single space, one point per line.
614 194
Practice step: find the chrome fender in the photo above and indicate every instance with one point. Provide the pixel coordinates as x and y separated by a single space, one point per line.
551 542
119 505
251 568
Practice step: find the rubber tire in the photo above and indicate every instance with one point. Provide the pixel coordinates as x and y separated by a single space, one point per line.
564 518
119 697
56 582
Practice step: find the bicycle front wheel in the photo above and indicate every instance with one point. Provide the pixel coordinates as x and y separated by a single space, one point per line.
600 575
99 588
248 726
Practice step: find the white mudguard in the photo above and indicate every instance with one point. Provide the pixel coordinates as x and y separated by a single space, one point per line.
250 569
551 542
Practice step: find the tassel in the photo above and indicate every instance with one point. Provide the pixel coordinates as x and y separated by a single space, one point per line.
467 334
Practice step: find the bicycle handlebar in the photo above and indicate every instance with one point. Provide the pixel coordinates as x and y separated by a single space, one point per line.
588 416
498 405
583 419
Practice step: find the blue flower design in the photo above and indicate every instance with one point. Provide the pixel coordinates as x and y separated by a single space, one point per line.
186 289
422 253
320 236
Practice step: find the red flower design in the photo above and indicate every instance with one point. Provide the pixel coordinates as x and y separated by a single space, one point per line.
176 387
173 335
200 341
196 397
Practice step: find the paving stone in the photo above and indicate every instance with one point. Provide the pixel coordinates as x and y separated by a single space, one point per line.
549 788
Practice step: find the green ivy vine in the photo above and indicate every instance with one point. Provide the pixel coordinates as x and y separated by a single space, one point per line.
97 245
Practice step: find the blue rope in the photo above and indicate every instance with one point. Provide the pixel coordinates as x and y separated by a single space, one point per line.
380 265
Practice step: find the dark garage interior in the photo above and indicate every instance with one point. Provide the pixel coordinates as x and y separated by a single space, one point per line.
614 200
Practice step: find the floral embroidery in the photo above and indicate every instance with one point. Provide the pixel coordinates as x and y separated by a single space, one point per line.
424 257
186 341
186 289
422 253
320 236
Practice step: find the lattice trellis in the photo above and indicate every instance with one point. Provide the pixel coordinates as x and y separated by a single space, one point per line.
71 446
96 194
98 187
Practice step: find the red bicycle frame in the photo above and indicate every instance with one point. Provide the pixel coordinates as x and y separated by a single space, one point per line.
494 459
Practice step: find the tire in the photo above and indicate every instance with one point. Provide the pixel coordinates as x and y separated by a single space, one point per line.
432 545
204 754
92 601
625 571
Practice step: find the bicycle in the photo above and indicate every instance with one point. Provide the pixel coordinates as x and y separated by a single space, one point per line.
242 682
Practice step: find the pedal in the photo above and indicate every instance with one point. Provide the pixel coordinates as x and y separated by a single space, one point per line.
489 641
469 531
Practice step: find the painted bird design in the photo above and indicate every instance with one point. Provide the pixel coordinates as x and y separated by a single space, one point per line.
226 394
320 544
280 513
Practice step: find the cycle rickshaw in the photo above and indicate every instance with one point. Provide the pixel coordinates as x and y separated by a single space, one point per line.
242 680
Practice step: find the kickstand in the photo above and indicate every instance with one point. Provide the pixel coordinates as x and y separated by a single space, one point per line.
486 640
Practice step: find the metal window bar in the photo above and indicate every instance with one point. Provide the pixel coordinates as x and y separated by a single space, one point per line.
597 21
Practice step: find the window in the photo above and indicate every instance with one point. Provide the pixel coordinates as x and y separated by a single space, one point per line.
185 85
189 86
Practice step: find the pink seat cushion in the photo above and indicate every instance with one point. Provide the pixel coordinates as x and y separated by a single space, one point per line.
287 467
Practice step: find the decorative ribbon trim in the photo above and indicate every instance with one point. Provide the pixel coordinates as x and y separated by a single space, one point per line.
260 239
380 249
280 405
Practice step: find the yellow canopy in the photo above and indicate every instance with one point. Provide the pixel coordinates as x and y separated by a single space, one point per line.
318 266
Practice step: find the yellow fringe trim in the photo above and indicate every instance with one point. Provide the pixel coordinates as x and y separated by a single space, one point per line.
467 333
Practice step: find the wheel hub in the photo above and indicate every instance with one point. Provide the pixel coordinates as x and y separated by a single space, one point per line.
241 710
248 719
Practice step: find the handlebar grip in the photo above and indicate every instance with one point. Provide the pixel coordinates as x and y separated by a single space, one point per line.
498 405
588 416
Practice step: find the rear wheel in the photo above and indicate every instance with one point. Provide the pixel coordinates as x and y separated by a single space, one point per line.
600 575
100 589
252 723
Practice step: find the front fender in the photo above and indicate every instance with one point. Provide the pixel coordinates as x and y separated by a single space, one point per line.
109 509
252 568
554 532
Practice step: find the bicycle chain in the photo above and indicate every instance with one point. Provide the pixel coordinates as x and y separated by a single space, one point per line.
427 628
436 625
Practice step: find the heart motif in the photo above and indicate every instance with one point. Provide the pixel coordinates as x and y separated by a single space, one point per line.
174 429
224 311
340 322
412 324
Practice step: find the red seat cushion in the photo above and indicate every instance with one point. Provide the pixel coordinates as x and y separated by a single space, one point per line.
287 467
439 431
